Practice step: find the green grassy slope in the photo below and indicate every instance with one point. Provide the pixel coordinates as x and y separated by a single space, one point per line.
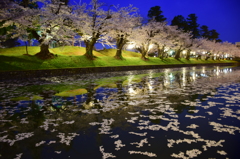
72 57
112 52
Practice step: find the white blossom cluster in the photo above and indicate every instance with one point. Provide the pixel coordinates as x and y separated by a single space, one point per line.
149 154
105 154
18 137
67 138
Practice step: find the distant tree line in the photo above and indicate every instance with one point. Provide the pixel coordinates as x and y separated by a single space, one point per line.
188 24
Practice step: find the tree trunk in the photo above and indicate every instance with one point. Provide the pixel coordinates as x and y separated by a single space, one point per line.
89 48
26 48
199 57
161 53
207 57
44 53
143 57
178 53
188 55
120 44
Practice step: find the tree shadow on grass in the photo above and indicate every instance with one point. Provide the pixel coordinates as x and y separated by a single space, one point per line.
13 63
9 67
179 60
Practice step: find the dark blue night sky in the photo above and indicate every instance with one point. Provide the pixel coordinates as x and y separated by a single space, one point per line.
221 15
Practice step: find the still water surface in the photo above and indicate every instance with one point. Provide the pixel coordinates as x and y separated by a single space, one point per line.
168 113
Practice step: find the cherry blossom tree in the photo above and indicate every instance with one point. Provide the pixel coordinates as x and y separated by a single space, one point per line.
216 50
125 19
94 25
163 39
193 46
51 22
207 48
182 41
142 37
234 51
228 50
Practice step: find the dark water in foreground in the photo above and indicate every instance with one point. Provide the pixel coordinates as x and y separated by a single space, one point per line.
169 113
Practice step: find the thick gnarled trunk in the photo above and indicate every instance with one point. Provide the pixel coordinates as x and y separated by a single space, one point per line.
120 43
143 53
89 48
161 52
199 57
143 57
178 54
44 53
90 43
188 54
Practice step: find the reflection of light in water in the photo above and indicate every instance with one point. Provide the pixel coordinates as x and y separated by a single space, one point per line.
150 74
131 91
203 69
89 105
171 77
184 76
225 70
193 76
166 79
217 71
130 73
150 87
130 79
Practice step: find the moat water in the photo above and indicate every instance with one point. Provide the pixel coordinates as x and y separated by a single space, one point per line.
190 112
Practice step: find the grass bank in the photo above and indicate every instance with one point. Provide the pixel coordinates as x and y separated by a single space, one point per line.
12 59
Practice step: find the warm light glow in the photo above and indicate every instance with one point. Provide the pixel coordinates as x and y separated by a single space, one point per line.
166 49
49 37
151 46
131 46
184 52
86 37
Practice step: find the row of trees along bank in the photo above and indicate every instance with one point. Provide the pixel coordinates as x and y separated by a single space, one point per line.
56 21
